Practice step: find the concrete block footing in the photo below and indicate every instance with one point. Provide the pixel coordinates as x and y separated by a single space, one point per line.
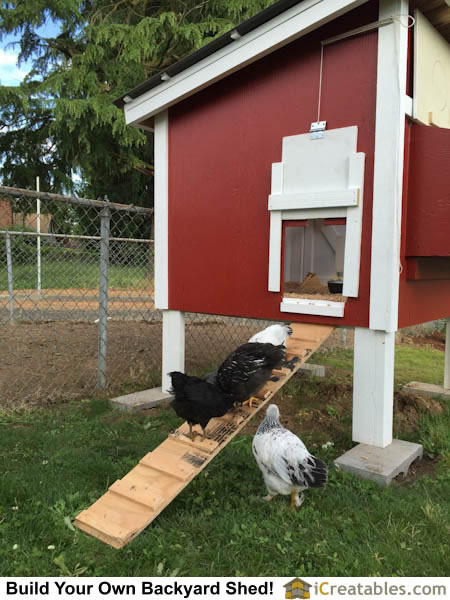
317 370
380 464
426 389
141 400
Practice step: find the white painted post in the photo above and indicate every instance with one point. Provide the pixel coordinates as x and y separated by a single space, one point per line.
373 387
172 345
38 241
388 167
447 357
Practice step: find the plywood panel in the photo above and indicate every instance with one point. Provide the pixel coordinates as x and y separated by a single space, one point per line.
132 502
431 74
428 208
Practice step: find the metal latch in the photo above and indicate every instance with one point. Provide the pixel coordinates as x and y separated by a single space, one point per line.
317 130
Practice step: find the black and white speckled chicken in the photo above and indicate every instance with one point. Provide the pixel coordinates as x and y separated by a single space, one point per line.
286 464
240 376
274 334
247 369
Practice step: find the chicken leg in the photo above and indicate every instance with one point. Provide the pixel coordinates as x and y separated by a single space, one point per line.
249 402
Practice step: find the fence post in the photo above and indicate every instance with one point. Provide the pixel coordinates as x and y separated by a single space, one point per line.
38 240
105 217
10 278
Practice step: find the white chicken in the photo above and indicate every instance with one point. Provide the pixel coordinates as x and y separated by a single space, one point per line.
274 334
286 464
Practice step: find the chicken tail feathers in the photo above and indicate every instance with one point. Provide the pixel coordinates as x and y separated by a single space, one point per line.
317 474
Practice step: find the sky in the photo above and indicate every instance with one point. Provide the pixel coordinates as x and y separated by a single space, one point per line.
10 73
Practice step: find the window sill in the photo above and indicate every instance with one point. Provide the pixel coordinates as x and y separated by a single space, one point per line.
307 306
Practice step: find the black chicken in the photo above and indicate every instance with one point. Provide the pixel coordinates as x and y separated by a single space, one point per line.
242 373
197 401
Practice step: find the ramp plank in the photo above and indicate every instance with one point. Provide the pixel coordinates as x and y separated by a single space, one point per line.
132 502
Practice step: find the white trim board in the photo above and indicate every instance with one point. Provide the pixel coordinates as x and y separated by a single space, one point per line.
388 168
317 199
161 210
307 306
292 24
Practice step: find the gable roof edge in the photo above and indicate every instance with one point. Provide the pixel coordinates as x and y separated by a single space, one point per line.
293 23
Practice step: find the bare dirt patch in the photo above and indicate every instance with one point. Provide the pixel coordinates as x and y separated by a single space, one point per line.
419 468
43 364
435 339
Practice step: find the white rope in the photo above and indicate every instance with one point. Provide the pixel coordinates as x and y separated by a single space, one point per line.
320 84
411 21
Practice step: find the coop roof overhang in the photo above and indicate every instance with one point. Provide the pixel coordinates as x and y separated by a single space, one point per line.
264 33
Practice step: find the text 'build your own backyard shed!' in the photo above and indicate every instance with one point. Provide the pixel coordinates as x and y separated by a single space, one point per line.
313 138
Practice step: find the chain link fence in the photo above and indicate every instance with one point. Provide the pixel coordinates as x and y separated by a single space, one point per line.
76 288
77 310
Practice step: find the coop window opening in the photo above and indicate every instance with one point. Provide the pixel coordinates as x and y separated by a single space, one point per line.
313 255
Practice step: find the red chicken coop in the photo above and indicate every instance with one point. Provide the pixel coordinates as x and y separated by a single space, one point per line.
302 175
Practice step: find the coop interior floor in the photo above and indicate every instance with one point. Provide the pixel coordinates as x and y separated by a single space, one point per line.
316 296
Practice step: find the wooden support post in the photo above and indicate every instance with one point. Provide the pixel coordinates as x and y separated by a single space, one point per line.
172 345
447 357
373 387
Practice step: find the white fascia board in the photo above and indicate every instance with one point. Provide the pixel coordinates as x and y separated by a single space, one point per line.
279 31
388 168
161 211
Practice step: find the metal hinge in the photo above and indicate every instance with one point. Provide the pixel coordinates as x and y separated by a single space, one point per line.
317 130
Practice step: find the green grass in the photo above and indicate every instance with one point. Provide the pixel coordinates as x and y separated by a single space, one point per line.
56 462
74 274
412 363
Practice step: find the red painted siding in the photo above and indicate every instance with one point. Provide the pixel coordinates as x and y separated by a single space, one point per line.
428 229
222 142
426 221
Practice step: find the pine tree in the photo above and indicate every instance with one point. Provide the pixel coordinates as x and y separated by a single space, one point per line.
61 119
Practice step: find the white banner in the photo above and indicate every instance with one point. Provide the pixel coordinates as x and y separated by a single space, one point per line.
222 588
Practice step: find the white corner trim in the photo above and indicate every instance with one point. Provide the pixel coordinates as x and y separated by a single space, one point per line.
299 20
161 210
307 306
388 168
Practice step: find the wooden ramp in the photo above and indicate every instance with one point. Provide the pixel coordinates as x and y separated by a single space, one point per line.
133 502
